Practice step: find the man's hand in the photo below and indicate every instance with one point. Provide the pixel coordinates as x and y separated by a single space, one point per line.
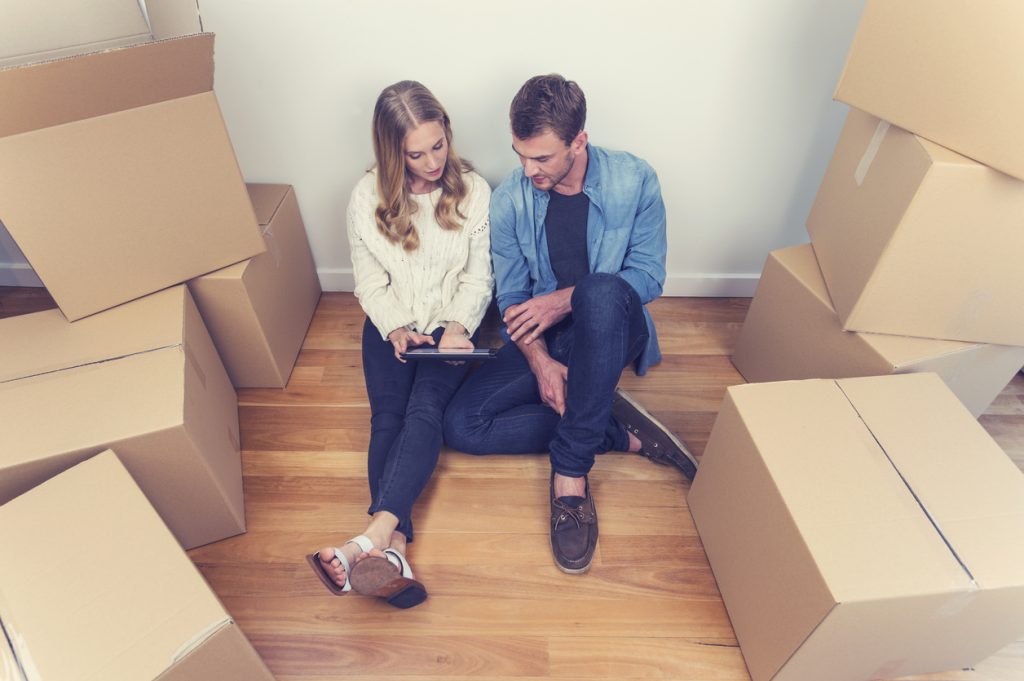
455 338
528 320
551 377
403 339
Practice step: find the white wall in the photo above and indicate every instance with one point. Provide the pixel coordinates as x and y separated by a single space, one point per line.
730 101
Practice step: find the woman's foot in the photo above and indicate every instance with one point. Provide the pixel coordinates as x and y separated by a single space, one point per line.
335 568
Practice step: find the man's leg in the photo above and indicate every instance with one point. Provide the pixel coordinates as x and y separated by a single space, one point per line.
498 409
607 333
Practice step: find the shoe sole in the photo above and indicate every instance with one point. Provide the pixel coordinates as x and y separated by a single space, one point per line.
671 436
379 578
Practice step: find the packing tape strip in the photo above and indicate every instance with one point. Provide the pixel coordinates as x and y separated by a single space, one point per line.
272 246
200 638
958 601
869 154
15 662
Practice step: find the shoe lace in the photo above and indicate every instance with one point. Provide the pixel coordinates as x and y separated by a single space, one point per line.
579 514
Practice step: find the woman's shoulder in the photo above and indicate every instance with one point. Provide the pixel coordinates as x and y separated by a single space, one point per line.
477 187
366 185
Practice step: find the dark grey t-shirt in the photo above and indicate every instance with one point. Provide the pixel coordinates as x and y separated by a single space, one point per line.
566 228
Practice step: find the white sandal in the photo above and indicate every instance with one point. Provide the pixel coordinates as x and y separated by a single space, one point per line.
362 541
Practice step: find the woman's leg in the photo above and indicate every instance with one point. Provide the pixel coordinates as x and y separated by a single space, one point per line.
388 385
414 453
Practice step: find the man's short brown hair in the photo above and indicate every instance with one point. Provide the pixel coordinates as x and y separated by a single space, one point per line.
548 103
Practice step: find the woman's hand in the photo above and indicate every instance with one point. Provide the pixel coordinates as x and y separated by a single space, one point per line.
402 339
455 338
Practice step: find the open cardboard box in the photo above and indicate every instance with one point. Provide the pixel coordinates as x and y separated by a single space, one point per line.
93 586
117 177
948 70
916 240
860 528
143 379
258 311
792 332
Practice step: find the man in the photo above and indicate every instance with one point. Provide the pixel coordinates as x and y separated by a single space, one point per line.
578 245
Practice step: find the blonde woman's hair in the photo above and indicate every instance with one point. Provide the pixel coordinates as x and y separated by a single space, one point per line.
401 108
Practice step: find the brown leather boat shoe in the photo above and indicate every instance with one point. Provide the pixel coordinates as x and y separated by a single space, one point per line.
657 442
573 530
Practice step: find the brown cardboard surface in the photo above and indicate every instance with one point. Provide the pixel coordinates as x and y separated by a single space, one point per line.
158 395
916 240
860 500
258 311
117 177
792 332
131 607
25 30
947 70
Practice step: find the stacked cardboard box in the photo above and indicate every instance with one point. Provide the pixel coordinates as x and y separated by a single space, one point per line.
143 379
860 529
258 310
864 528
914 234
93 586
119 184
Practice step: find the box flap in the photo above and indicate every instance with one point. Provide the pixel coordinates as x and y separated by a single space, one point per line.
863 528
67 90
29 32
132 599
964 482
44 342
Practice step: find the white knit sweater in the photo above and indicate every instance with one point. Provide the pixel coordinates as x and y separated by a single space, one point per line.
448 278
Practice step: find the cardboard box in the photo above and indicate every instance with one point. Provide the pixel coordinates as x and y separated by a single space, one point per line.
258 311
792 332
860 528
947 70
143 379
93 586
117 177
915 240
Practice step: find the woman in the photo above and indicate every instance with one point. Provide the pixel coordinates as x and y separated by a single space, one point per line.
418 231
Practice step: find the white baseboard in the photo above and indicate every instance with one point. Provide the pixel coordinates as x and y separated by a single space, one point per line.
341 279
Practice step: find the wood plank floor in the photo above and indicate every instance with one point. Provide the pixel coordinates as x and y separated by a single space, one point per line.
498 608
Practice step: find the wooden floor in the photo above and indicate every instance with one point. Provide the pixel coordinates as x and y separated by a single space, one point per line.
498 608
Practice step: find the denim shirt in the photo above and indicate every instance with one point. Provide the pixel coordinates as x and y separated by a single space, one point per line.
625 234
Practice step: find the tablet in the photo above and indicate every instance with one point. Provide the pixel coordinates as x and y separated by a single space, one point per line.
450 355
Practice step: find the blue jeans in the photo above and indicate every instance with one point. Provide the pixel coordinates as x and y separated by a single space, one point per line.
498 410
407 403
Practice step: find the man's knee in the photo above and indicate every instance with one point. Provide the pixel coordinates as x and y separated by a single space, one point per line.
597 289
601 298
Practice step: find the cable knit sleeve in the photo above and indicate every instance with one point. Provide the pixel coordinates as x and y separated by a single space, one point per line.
372 281
475 282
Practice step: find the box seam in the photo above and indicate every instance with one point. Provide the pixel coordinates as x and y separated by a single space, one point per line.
910 489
